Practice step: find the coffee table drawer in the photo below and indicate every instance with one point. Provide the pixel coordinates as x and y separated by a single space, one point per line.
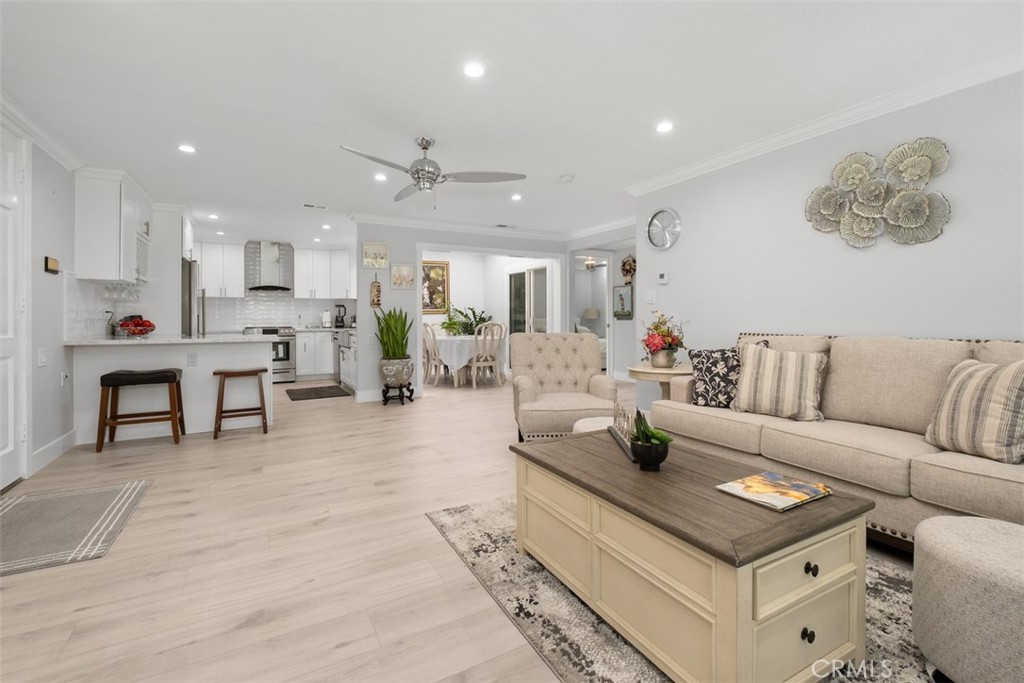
789 643
807 566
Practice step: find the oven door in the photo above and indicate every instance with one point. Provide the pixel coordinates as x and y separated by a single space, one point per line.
283 356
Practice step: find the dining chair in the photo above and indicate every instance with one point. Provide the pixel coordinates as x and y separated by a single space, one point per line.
431 355
487 345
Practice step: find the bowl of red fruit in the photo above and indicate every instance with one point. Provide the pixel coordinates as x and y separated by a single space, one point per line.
136 326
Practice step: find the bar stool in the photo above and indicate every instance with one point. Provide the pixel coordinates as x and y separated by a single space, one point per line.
260 410
110 390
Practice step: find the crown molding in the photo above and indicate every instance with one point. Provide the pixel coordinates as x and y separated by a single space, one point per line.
1003 65
610 226
16 114
421 224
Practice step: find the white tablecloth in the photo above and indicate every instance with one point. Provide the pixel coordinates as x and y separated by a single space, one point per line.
457 351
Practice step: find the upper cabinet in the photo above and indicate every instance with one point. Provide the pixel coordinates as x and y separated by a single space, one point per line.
342 286
113 218
312 274
221 269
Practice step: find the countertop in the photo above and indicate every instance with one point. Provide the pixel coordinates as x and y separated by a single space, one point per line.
300 330
159 340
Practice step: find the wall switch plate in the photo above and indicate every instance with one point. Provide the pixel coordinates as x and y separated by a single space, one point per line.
649 296
42 358
192 358
662 278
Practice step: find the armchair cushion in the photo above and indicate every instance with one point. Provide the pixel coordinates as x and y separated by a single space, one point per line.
554 413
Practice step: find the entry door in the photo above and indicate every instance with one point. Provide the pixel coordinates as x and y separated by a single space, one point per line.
12 320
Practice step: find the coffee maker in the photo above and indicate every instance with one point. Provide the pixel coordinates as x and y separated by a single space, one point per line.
339 319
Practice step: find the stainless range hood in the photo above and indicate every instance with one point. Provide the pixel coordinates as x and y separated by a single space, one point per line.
269 266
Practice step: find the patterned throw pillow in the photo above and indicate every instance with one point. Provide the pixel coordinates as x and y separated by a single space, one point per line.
981 411
715 372
781 383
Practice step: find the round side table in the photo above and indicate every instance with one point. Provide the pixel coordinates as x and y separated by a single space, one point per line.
644 371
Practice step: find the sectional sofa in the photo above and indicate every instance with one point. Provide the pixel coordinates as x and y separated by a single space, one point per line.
878 396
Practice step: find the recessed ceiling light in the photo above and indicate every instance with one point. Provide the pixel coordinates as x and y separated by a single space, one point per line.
316 239
664 127
187 149
214 217
380 177
220 232
567 177
325 226
473 69
516 197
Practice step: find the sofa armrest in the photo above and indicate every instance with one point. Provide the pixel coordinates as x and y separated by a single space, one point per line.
524 390
681 389
603 386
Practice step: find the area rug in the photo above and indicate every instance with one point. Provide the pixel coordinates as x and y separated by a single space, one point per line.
316 392
40 530
579 646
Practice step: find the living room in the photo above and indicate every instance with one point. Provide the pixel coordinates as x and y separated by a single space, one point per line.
305 553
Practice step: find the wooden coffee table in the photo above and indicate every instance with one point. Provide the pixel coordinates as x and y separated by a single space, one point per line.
710 587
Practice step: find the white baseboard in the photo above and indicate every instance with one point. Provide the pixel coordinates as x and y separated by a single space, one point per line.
50 452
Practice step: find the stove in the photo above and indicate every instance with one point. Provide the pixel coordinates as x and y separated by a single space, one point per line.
282 350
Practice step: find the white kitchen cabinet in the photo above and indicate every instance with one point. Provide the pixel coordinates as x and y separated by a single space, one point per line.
314 353
312 274
221 269
342 286
347 366
112 216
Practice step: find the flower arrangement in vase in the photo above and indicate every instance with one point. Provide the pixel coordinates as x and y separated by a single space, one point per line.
662 338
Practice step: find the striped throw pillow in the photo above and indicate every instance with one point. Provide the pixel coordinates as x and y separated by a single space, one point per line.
781 383
981 411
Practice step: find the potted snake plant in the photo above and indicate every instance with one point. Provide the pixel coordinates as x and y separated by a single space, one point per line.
396 366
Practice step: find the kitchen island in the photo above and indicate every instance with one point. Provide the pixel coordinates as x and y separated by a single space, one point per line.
197 358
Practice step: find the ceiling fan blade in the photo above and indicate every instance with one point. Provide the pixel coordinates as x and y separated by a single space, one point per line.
378 160
480 177
407 191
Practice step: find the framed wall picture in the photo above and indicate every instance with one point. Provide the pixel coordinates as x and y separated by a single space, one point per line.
403 276
622 302
436 287
375 254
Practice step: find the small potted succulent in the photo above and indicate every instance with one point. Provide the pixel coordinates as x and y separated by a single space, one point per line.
648 445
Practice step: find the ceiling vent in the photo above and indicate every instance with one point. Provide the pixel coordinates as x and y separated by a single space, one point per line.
315 207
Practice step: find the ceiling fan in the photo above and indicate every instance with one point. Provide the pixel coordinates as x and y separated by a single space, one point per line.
426 172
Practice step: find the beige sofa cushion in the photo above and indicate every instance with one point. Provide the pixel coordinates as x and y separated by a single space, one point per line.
876 457
998 352
720 426
802 343
969 484
889 381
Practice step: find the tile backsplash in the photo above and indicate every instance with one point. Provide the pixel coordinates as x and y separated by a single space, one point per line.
87 301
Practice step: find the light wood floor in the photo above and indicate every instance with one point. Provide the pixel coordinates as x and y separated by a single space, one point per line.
300 555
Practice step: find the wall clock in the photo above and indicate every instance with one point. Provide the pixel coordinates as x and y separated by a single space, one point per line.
663 229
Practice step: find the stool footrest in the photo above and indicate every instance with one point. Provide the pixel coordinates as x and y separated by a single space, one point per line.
242 412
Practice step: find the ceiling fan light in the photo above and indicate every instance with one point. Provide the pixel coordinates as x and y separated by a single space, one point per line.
425 185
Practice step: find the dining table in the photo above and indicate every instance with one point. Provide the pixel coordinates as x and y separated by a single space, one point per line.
457 350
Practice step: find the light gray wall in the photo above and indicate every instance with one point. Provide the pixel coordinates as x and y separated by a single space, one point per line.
52 234
749 261
468 277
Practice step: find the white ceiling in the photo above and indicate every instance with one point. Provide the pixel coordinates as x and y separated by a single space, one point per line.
267 93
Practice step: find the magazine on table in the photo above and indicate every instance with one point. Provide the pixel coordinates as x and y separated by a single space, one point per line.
775 490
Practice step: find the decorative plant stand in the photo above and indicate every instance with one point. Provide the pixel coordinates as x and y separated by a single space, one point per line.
404 391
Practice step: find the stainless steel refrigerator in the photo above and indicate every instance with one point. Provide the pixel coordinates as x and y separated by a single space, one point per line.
193 301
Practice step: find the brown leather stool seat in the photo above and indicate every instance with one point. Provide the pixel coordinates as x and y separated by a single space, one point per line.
260 410
110 391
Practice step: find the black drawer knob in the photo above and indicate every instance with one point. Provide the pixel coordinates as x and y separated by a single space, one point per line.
811 569
807 634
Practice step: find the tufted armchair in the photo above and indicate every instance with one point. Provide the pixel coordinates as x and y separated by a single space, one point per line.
557 380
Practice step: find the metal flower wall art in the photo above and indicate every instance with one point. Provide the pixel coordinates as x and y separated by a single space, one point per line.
865 199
